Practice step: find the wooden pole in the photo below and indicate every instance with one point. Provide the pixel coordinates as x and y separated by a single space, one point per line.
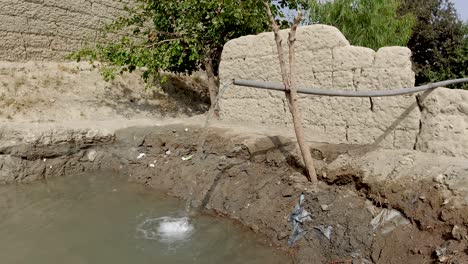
289 81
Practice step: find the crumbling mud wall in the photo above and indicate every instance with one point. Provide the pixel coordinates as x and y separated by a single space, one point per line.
51 29
325 59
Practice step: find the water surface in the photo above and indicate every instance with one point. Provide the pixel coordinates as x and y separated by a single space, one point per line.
101 218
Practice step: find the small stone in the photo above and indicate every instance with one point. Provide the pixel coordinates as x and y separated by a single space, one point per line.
92 154
255 228
168 152
325 207
439 178
458 232
287 192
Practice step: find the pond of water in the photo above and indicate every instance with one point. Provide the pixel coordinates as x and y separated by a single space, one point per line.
101 218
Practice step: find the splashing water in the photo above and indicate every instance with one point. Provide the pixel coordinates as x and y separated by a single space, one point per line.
201 141
166 229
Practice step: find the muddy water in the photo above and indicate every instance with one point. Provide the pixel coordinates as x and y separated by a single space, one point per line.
101 218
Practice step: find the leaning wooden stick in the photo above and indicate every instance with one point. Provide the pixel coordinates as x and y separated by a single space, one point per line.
289 81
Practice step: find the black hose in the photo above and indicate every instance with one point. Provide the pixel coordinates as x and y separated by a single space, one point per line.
344 93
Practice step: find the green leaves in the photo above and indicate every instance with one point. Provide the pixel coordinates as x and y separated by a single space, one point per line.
177 36
367 23
439 41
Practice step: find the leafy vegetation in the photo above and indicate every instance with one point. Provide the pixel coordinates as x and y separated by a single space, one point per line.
430 28
177 36
367 23
439 41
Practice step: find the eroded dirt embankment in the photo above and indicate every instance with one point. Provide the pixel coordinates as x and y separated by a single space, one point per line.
257 179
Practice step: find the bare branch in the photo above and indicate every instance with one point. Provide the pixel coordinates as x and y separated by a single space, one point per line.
297 116
289 81
279 44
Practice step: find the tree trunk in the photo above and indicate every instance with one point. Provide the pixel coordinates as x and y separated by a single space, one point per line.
289 82
212 80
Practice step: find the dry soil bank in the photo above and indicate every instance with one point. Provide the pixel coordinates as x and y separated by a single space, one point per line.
255 177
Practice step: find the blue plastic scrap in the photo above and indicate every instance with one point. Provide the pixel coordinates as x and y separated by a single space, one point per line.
297 218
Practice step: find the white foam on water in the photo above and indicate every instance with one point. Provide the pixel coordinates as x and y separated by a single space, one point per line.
166 229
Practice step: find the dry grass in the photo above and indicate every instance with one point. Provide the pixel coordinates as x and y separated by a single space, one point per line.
71 70
19 82
53 82
47 81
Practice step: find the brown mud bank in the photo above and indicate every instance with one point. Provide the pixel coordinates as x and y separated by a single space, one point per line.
381 206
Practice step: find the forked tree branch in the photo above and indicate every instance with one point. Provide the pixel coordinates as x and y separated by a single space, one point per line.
289 81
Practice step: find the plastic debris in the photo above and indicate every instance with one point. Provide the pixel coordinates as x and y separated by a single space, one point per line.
297 218
189 157
326 231
441 252
358 258
142 155
388 220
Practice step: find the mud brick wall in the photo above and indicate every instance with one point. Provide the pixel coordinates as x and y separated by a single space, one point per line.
51 29
325 59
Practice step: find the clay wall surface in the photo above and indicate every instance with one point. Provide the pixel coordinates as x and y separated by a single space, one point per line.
51 29
325 59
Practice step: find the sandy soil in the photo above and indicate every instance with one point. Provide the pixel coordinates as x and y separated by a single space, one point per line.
64 91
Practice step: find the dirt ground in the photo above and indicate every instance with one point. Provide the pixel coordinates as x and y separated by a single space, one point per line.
370 206
257 184
259 188
69 91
